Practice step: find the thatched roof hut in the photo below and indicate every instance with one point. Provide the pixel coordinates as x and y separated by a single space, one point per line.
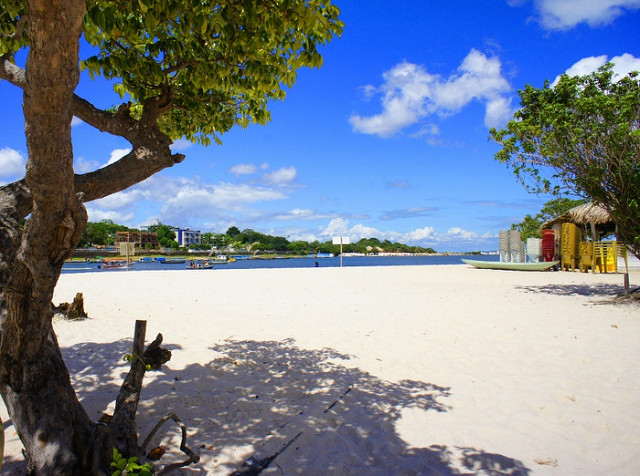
586 214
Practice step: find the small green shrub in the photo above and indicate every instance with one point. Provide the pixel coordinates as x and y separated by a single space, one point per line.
129 466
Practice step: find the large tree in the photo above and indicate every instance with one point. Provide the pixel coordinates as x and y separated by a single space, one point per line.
184 68
581 135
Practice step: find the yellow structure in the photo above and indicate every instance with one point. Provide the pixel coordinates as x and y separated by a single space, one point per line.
594 254
607 253
570 239
586 256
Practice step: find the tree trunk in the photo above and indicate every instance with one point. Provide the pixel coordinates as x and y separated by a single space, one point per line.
58 436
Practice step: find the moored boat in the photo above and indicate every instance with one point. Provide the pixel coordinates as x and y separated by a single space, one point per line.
115 264
505 265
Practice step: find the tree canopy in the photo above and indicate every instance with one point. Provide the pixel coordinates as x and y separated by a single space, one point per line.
581 135
166 235
183 68
100 233
529 227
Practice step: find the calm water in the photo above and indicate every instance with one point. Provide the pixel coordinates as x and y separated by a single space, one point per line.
292 263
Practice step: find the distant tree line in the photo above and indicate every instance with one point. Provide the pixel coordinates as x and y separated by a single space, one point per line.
103 233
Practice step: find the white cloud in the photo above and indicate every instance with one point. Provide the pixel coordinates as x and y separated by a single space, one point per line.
420 234
302 214
221 195
96 215
455 238
566 14
499 111
407 213
359 231
406 89
300 235
76 121
182 200
208 202
282 176
82 165
12 163
410 93
623 65
336 227
181 144
243 169
124 199
117 154
460 234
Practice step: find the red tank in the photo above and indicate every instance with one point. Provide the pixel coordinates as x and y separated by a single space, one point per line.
548 245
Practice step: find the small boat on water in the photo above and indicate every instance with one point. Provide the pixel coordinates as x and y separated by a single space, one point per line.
199 264
115 264
173 261
541 266
223 260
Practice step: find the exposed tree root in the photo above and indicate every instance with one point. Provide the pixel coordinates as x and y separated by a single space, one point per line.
192 457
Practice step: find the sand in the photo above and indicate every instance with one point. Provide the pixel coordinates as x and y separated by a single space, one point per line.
371 370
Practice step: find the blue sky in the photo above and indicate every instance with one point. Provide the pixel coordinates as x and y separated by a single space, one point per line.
389 139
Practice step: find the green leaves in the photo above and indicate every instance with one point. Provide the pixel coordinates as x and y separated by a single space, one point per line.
13 33
581 136
213 65
124 465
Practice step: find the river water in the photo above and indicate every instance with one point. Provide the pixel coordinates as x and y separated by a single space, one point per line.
85 267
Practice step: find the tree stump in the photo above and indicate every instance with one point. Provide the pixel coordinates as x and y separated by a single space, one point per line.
75 310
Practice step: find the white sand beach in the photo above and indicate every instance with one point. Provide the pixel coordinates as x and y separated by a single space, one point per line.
369 370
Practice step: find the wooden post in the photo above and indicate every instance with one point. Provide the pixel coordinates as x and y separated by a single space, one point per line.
138 339
626 284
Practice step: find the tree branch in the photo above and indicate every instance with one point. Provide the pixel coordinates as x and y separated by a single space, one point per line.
123 426
12 73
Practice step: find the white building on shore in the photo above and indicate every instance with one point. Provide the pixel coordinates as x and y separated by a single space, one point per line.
187 237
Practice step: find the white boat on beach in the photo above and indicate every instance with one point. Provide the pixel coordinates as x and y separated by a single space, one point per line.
541 266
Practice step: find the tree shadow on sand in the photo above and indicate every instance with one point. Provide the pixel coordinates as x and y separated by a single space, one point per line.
260 398
589 290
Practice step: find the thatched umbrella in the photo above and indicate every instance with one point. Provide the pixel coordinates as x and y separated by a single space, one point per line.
585 214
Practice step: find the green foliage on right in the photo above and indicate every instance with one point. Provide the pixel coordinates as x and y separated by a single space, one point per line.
582 136
530 226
